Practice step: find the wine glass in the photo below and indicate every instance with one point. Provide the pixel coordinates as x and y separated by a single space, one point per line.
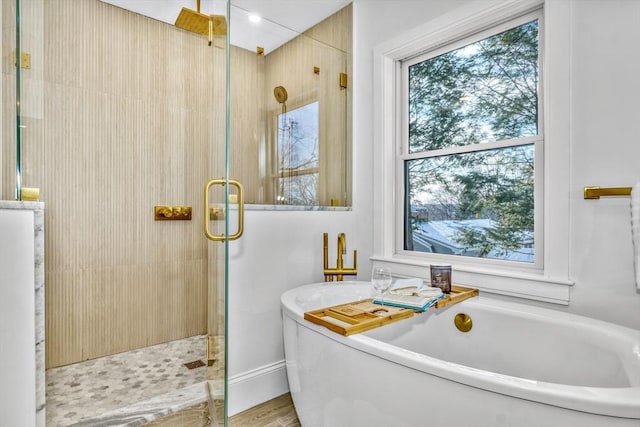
381 280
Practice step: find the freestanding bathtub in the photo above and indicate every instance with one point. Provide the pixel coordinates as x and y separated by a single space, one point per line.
519 365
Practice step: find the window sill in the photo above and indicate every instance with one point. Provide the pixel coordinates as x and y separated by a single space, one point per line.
529 286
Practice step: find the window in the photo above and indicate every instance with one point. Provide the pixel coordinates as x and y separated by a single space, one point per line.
297 152
547 278
472 129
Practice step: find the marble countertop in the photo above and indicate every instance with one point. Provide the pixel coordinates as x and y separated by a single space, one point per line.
19 204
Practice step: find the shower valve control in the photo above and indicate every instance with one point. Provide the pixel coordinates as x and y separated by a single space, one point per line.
172 213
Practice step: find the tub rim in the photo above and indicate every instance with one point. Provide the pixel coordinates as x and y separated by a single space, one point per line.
621 402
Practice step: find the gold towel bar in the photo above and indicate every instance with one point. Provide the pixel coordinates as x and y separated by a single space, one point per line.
596 192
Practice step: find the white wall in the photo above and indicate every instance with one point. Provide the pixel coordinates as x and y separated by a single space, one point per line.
281 250
605 151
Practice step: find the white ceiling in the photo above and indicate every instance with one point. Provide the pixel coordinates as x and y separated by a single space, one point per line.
281 21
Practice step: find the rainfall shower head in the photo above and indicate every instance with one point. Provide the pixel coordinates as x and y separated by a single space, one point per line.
200 23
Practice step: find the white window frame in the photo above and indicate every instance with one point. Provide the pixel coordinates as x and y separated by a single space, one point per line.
548 280
537 141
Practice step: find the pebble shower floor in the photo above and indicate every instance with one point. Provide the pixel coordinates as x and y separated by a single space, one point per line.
88 389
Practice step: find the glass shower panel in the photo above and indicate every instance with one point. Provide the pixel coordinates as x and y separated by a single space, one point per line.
300 98
19 132
23 99
222 204
120 116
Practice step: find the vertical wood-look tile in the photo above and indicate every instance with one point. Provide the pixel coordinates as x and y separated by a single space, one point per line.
123 94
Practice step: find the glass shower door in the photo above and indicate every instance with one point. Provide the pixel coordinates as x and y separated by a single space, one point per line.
223 207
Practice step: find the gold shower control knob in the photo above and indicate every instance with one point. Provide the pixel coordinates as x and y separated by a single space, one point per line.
175 213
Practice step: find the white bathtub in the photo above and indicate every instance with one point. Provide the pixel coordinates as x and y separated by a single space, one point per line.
518 366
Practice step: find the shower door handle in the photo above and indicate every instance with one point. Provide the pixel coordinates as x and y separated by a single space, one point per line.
207 231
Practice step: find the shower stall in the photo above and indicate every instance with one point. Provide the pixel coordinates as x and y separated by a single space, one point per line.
134 131
111 114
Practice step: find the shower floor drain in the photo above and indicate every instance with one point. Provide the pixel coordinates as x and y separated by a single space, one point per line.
195 364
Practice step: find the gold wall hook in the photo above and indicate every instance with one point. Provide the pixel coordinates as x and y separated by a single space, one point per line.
30 194
343 80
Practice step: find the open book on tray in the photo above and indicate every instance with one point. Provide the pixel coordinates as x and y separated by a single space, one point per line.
415 301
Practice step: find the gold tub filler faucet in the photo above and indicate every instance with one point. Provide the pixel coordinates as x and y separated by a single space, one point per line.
340 270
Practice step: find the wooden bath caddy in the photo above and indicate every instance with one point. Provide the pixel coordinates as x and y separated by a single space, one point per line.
457 294
360 316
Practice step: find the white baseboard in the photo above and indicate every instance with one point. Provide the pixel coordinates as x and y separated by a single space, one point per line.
257 386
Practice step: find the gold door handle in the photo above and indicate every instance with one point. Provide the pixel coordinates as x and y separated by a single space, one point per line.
222 237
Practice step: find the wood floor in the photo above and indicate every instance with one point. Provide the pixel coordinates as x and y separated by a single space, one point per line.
278 412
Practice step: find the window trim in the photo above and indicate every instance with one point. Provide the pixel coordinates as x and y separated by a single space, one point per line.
552 282
537 141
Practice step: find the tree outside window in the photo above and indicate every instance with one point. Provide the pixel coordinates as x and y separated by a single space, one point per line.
469 167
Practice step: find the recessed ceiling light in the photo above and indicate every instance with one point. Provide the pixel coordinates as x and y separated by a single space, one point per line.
254 18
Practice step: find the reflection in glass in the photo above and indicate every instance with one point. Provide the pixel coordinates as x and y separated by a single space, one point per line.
308 66
298 156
